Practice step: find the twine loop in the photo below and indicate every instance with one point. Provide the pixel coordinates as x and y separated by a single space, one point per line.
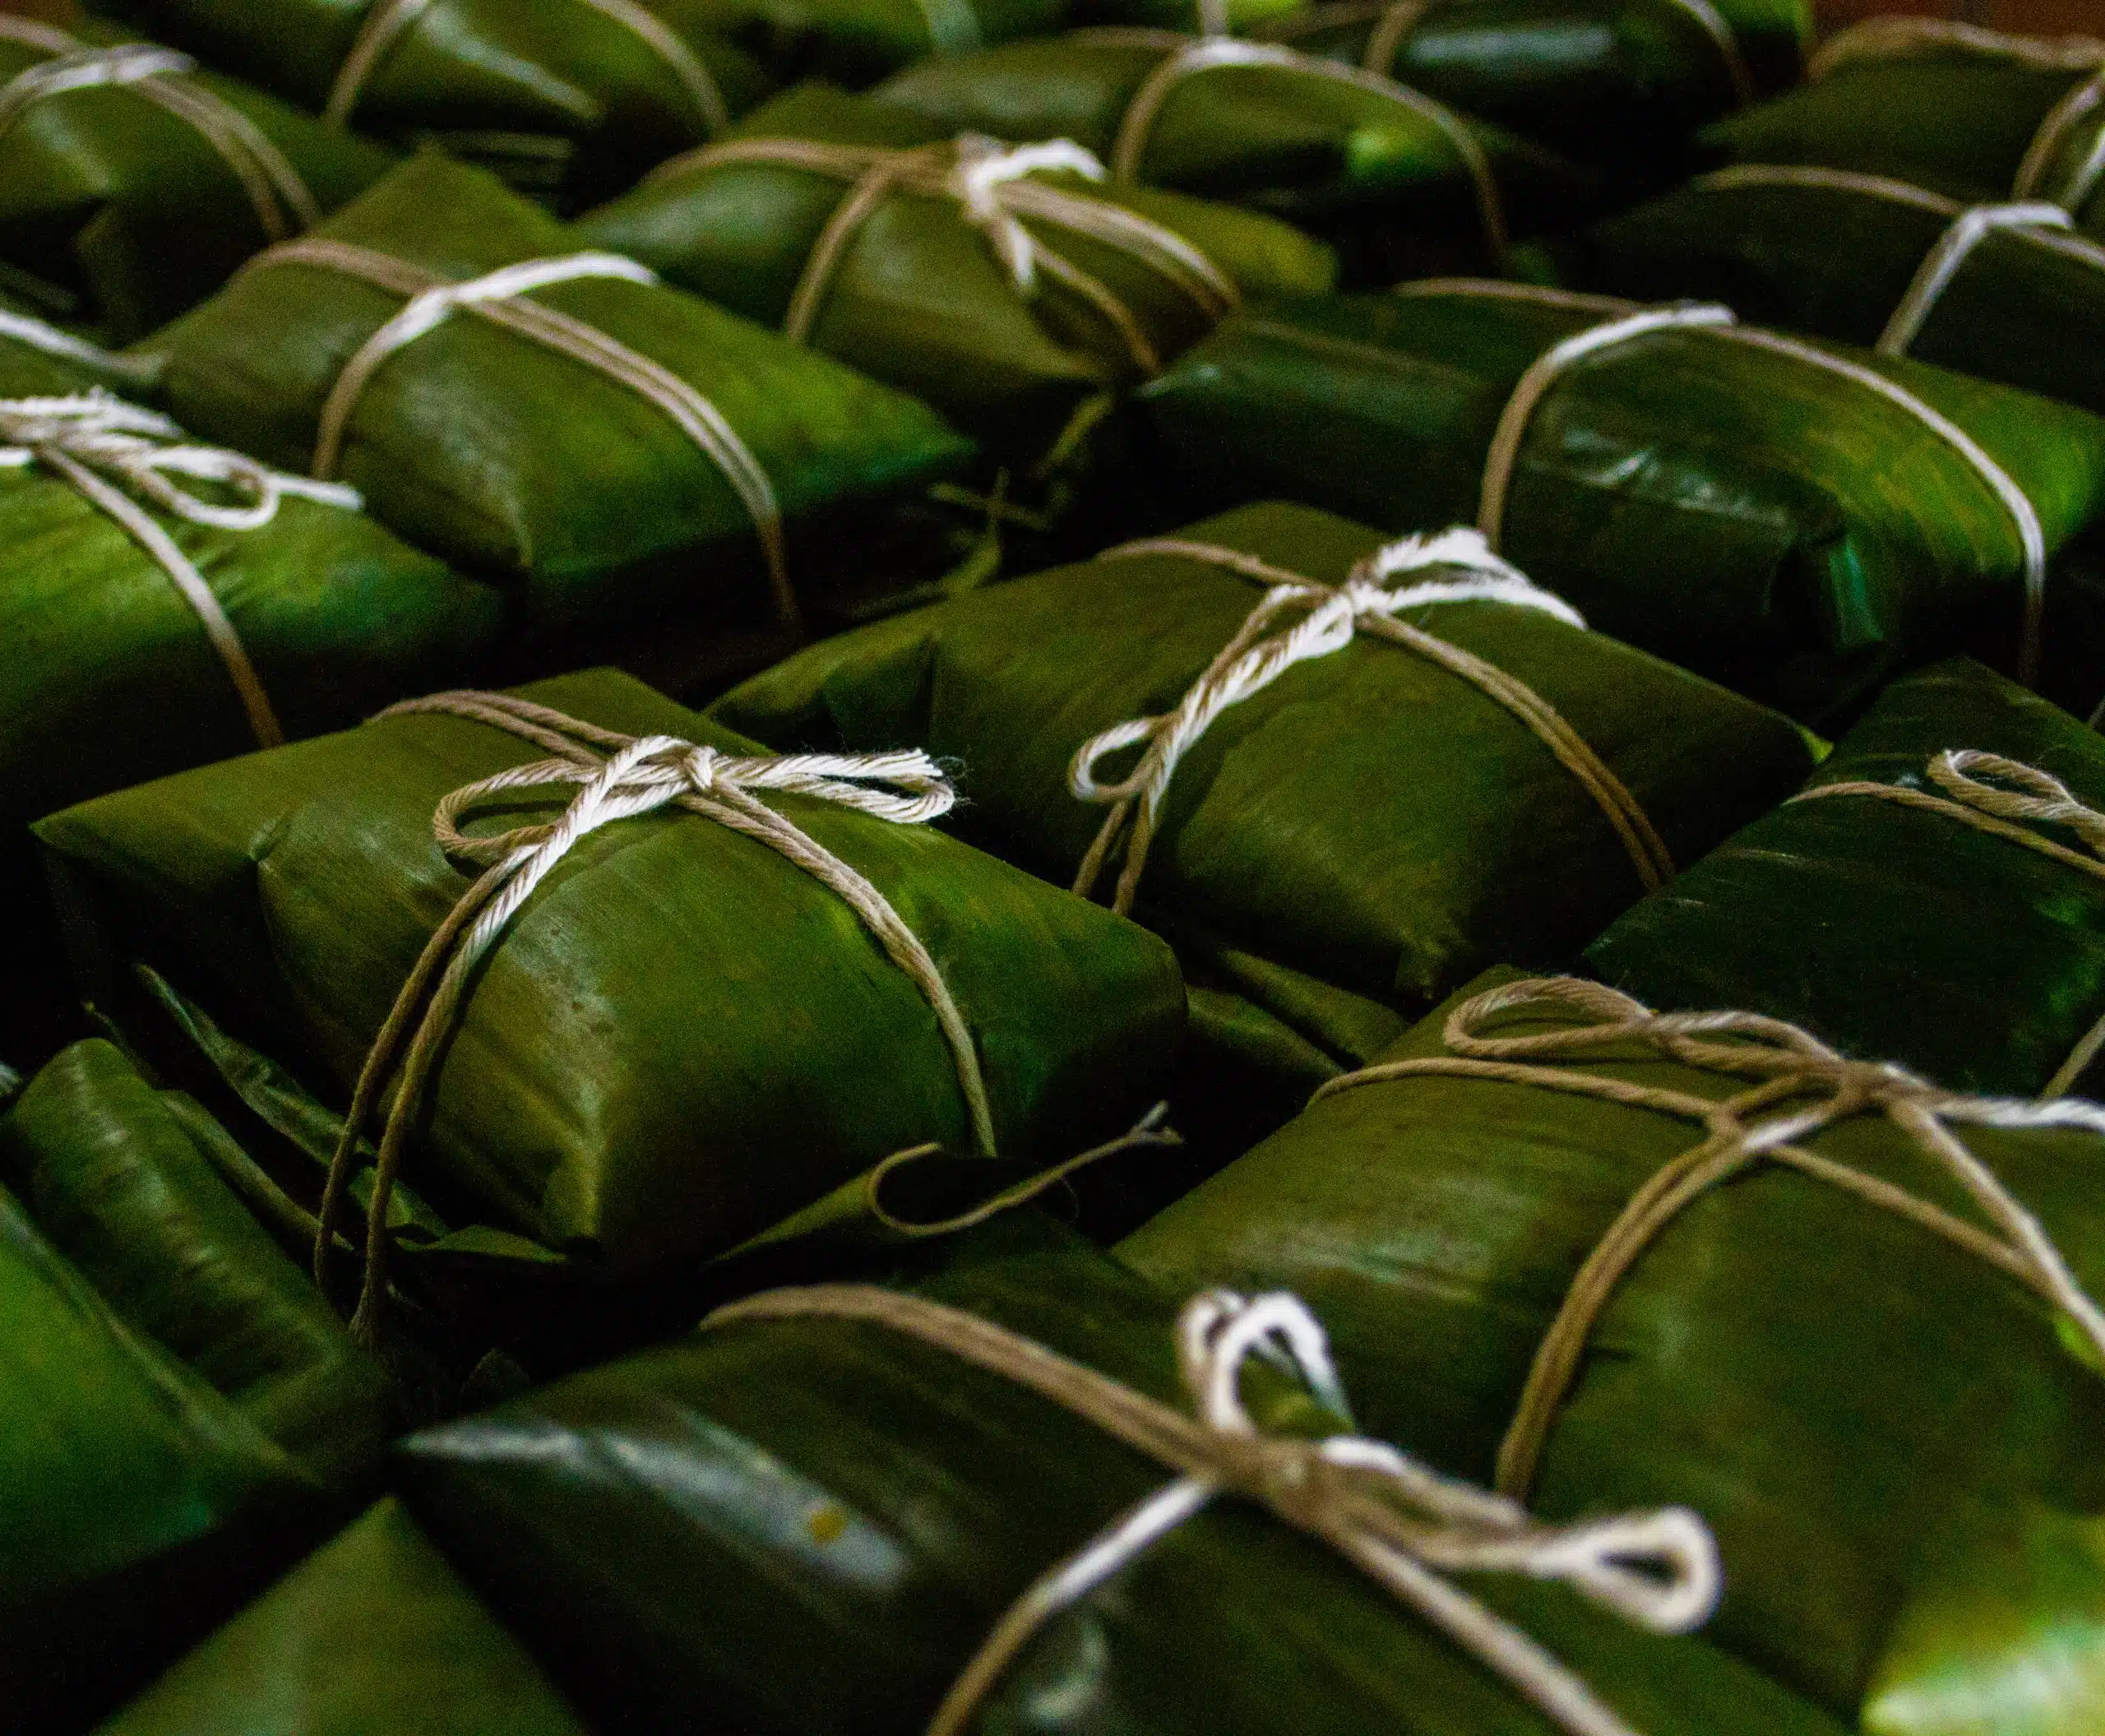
616 777
1798 1087
1400 1523
1331 617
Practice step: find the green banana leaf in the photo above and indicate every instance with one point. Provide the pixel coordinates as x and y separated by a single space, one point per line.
373 1635
138 1506
1897 1453
681 1040
1787 531
117 212
1959 115
921 300
1356 163
857 42
1343 848
129 1183
1625 81
522 464
1888 931
806 1528
563 98
1839 260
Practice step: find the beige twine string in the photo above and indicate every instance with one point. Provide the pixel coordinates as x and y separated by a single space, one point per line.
618 777
388 20
991 186
1331 617
1630 321
1802 1087
2038 798
1188 57
280 199
500 298
38 334
101 448
1400 1523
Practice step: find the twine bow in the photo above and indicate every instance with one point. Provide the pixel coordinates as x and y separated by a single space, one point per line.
2022 798
1331 616
616 777
1398 1522
1800 1086
101 447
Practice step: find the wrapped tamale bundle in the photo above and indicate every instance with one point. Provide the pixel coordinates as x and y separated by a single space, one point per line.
1872 1361
1337 820
134 183
623 456
372 1635
1798 521
755 992
1934 897
1004 287
1398 181
569 100
138 1188
138 1506
1870 260
1972 113
849 1494
1621 81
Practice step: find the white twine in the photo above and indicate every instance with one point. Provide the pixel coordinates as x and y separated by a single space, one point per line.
1188 58
499 298
2038 798
618 777
1400 1523
1630 320
100 447
39 334
1765 1121
1331 616
991 186
1954 248
280 197
388 20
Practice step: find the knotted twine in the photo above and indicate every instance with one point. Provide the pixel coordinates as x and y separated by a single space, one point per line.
100 447
1400 1523
1895 38
1802 1087
1331 617
1628 322
990 184
2038 798
1187 57
387 21
618 777
500 298
280 199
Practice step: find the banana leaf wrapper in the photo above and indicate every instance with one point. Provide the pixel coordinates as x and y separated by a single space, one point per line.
920 300
1839 263
138 1506
1959 118
523 466
138 1188
117 213
681 1040
1625 82
1787 532
856 43
1894 1447
373 1633
1340 849
563 100
1891 932
854 1509
1358 166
